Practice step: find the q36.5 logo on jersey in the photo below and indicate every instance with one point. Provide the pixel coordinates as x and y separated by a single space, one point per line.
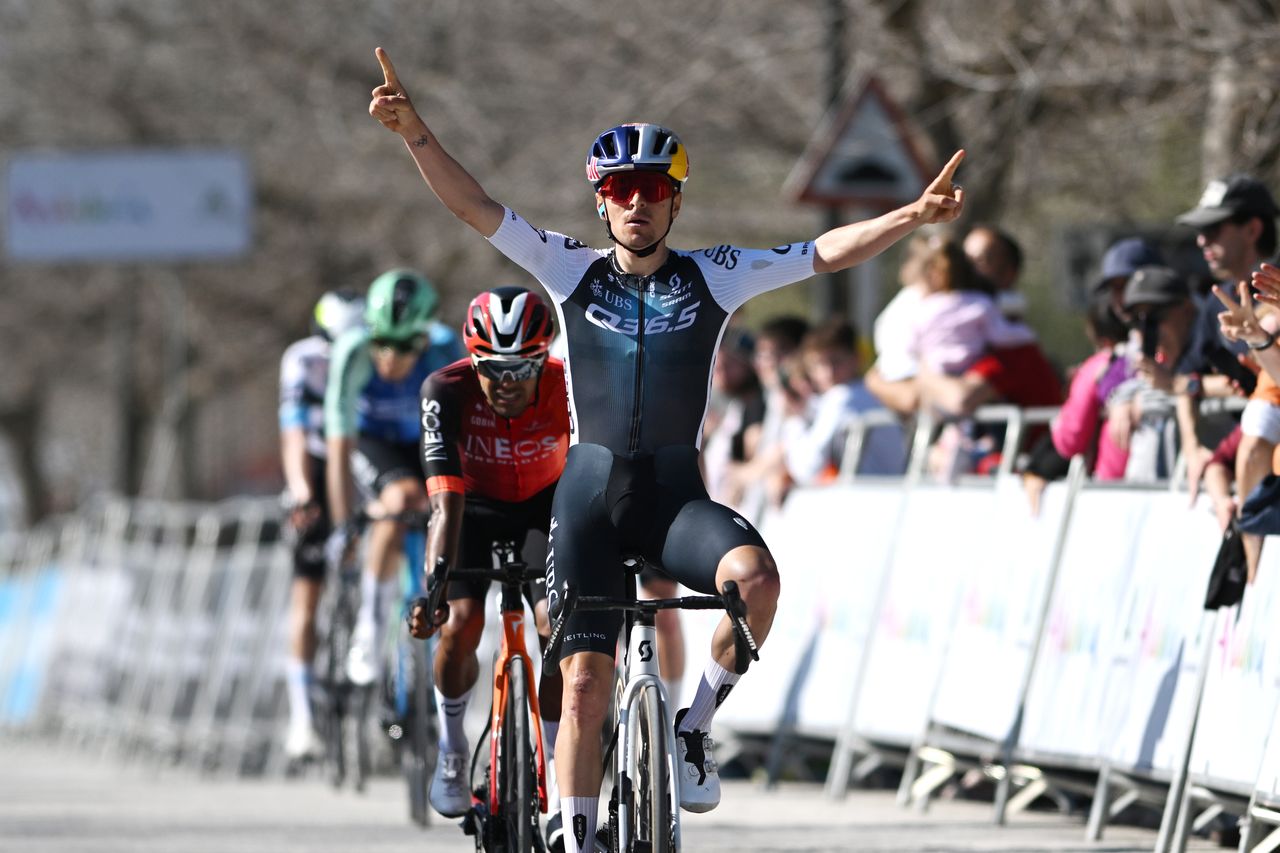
656 325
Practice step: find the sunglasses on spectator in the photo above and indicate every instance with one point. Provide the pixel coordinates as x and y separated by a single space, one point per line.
652 186
1210 232
509 369
400 346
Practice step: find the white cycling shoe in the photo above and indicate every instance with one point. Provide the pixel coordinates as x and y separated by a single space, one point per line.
362 660
450 794
302 741
696 768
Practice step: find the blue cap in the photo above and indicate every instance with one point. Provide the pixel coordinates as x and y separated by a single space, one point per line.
1125 256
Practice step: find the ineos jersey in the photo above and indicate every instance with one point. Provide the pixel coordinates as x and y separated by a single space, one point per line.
641 348
467 447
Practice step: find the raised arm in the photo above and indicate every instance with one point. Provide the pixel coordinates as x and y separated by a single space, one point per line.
451 183
850 245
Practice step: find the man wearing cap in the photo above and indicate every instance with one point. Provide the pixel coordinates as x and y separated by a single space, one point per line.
1159 304
1235 222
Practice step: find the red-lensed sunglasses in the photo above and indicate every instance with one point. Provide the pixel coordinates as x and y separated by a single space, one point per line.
652 186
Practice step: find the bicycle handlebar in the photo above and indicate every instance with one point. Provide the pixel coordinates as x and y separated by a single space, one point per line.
745 647
438 579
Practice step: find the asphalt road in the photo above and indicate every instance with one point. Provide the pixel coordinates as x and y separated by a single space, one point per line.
54 800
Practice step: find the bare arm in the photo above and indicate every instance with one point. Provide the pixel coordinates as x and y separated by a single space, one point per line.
338 478
293 458
954 395
451 183
446 526
849 245
901 396
1241 322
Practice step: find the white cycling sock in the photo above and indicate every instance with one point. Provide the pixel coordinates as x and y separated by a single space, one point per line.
714 686
579 820
453 713
388 595
297 677
365 623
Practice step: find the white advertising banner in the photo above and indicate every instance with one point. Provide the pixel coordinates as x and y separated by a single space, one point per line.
1153 667
1068 688
997 621
1267 789
942 540
1243 684
127 205
830 545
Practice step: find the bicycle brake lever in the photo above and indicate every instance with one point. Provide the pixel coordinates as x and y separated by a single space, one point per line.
551 656
745 647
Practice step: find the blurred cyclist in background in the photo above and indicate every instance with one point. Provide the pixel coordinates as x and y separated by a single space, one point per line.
495 431
371 427
304 371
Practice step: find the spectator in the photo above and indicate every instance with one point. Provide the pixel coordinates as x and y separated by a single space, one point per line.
761 478
1120 261
735 435
814 449
1142 413
892 376
957 321
1235 223
998 258
1080 427
1236 230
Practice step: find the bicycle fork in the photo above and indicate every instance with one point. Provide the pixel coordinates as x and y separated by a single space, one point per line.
641 672
513 653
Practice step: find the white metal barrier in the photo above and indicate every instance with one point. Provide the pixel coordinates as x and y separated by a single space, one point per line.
150 630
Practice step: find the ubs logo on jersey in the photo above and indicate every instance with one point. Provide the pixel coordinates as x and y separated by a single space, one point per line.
656 325
596 288
723 256
617 300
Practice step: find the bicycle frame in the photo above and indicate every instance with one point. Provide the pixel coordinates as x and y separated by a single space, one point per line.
513 651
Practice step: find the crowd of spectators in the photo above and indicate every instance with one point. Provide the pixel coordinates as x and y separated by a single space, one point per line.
954 338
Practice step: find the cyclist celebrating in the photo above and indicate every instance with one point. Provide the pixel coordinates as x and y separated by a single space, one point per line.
642 322
495 431
304 370
371 427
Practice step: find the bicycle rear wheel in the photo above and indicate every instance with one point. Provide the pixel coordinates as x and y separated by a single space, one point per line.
649 800
517 791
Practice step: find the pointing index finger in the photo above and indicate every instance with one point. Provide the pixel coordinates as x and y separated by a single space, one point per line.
949 170
388 70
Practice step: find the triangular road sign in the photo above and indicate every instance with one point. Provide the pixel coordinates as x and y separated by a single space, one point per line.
863 153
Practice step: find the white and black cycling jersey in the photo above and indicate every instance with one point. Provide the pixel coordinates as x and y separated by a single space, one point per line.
641 348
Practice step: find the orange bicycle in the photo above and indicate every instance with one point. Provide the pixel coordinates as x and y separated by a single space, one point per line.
505 806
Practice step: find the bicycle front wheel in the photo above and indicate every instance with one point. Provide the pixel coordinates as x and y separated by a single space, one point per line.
517 791
649 810
421 735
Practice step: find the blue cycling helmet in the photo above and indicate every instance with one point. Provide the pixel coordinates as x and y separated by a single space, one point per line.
638 147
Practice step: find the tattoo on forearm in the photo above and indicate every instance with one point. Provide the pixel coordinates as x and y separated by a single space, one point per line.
421 141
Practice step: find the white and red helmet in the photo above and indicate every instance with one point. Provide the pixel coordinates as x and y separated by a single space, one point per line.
507 322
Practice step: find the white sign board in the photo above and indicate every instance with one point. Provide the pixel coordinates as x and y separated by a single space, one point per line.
863 153
128 205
